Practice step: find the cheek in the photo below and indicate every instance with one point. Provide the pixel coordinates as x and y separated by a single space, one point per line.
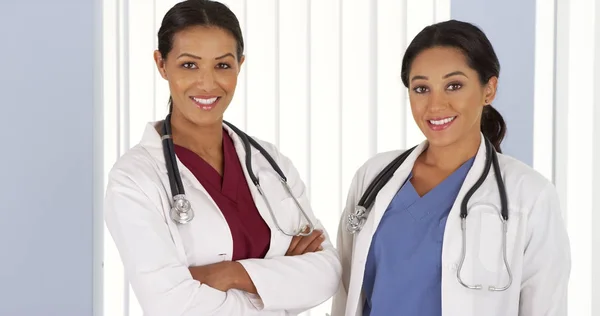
467 103
227 82
418 105
181 81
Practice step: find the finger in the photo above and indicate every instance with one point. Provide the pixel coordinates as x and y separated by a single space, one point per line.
295 241
307 240
315 245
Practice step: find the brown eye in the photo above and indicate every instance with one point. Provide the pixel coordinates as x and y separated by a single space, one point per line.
420 89
454 86
188 65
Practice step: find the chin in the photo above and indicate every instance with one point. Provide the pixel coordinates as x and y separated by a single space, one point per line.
209 120
441 140
204 119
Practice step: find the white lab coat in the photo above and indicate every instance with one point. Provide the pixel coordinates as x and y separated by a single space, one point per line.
156 252
537 244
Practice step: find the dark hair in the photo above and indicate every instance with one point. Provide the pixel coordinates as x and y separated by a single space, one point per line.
480 56
191 13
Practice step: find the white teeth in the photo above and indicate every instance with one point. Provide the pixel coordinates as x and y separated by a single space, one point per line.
206 101
442 121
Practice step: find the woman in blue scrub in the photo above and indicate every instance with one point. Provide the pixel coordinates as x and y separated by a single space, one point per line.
407 257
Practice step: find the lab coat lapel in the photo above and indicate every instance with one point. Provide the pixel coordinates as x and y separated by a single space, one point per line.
363 239
452 235
152 142
387 193
452 291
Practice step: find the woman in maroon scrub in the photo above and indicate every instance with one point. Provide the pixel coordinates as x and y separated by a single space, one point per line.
235 257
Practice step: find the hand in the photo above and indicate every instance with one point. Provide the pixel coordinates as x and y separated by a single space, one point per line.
221 275
305 244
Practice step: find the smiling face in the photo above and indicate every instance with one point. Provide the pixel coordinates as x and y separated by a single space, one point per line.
447 96
202 70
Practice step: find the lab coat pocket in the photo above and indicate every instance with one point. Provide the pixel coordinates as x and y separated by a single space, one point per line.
491 245
288 215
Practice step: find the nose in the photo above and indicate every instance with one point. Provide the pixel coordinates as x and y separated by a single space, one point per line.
206 79
437 102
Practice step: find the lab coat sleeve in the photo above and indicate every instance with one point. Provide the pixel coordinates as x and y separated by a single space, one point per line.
295 283
161 281
344 246
547 259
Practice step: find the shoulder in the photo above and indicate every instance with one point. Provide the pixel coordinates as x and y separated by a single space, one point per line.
283 161
271 148
136 167
372 167
141 162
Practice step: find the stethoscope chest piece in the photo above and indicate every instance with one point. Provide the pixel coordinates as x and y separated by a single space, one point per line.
356 220
181 212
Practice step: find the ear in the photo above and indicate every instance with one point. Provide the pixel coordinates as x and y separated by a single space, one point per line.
490 90
160 64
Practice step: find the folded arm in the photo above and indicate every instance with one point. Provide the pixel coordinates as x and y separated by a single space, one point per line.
296 283
229 275
161 281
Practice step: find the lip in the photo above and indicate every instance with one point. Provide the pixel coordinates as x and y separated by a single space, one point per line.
440 127
203 106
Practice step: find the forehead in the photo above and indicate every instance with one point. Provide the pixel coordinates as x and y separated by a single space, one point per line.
439 60
203 40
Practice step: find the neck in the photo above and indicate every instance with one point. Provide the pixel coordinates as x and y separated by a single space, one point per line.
204 140
451 157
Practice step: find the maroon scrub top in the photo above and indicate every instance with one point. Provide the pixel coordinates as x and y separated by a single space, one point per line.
251 235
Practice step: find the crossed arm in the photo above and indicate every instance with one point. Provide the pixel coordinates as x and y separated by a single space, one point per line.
228 275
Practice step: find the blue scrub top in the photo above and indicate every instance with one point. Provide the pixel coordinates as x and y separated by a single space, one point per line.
403 273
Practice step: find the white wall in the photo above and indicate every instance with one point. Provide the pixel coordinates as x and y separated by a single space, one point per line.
321 80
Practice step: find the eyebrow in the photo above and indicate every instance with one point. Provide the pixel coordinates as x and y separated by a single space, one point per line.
454 73
197 57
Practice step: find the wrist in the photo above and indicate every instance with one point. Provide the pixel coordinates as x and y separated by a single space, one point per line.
240 279
236 274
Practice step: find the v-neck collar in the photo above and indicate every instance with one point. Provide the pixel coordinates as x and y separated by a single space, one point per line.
458 174
207 175
437 196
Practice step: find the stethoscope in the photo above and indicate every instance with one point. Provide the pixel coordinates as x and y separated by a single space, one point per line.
181 210
358 217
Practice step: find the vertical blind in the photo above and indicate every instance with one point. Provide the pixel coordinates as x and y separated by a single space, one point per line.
570 59
321 80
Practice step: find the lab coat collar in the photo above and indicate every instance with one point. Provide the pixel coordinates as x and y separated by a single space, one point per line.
152 142
389 191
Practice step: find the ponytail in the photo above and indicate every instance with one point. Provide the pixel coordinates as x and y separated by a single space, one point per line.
170 105
493 126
